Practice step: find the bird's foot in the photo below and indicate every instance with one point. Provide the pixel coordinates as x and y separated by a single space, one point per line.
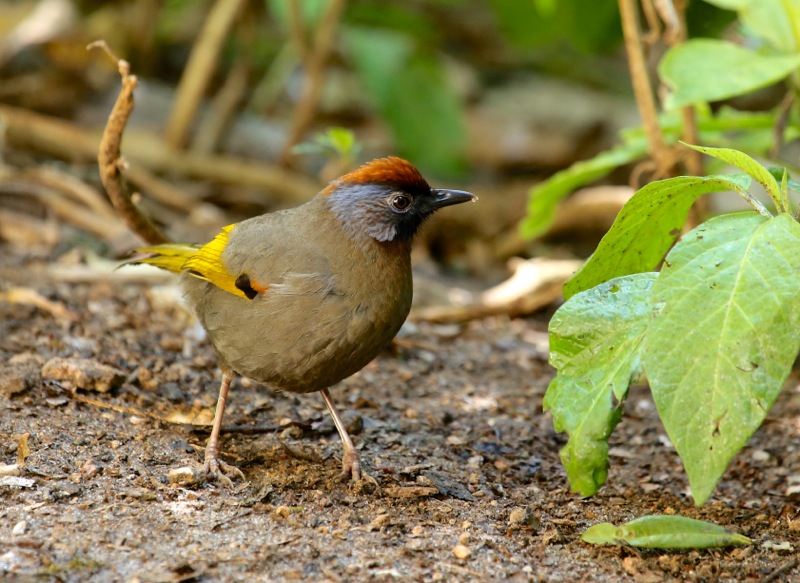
351 466
218 470
360 480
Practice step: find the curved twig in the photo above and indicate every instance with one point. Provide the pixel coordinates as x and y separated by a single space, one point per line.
110 160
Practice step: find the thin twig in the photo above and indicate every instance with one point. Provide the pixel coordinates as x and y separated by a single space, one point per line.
673 26
63 139
241 514
642 89
202 64
542 297
107 228
223 108
297 29
674 16
784 113
274 80
72 187
160 190
303 114
653 22
785 568
110 159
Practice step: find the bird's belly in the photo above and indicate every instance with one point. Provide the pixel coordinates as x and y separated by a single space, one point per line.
302 344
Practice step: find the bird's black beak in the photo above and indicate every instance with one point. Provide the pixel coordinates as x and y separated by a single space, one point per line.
443 197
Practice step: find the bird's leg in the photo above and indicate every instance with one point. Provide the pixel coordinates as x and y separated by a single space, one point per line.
214 467
351 464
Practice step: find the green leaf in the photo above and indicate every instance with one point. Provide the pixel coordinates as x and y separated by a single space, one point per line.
662 531
544 198
703 70
335 142
784 206
771 20
646 227
779 172
595 341
747 164
724 337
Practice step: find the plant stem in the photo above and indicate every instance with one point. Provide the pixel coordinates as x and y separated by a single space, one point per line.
315 62
197 75
643 91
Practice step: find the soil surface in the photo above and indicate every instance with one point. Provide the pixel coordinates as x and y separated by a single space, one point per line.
449 423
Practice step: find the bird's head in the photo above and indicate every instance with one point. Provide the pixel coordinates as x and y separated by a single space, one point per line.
387 199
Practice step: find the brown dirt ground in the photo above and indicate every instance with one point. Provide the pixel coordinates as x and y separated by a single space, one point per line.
451 420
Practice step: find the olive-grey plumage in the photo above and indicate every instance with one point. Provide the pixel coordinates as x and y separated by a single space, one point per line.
324 315
303 298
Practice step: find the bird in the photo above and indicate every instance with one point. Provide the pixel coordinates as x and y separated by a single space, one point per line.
302 298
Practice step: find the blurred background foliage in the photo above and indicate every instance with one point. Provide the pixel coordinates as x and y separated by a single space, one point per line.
416 65
497 95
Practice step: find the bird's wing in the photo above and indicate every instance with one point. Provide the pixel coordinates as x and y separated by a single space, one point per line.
200 261
206 263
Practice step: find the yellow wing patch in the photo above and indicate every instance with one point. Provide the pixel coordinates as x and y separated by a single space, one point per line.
206 264
169 256
203 262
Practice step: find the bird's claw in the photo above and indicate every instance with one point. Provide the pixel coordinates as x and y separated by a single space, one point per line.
351 467
218 470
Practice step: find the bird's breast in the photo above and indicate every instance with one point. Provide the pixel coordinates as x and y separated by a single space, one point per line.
308 331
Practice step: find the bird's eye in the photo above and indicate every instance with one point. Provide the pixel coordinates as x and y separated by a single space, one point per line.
400 202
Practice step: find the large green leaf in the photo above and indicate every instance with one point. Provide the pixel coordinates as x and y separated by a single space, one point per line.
703 70
664 531
646 227
544 198
595 341
724 337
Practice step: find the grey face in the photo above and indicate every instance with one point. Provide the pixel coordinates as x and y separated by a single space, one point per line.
388 213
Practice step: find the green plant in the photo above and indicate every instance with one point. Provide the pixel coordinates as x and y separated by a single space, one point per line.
715 332
337 143
696 73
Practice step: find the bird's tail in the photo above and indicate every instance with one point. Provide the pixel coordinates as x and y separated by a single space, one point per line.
169 256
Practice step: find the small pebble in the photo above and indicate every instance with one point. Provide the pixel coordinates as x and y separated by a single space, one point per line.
184 476
517 515
20 527
501 464
89 469
83 373
461 551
